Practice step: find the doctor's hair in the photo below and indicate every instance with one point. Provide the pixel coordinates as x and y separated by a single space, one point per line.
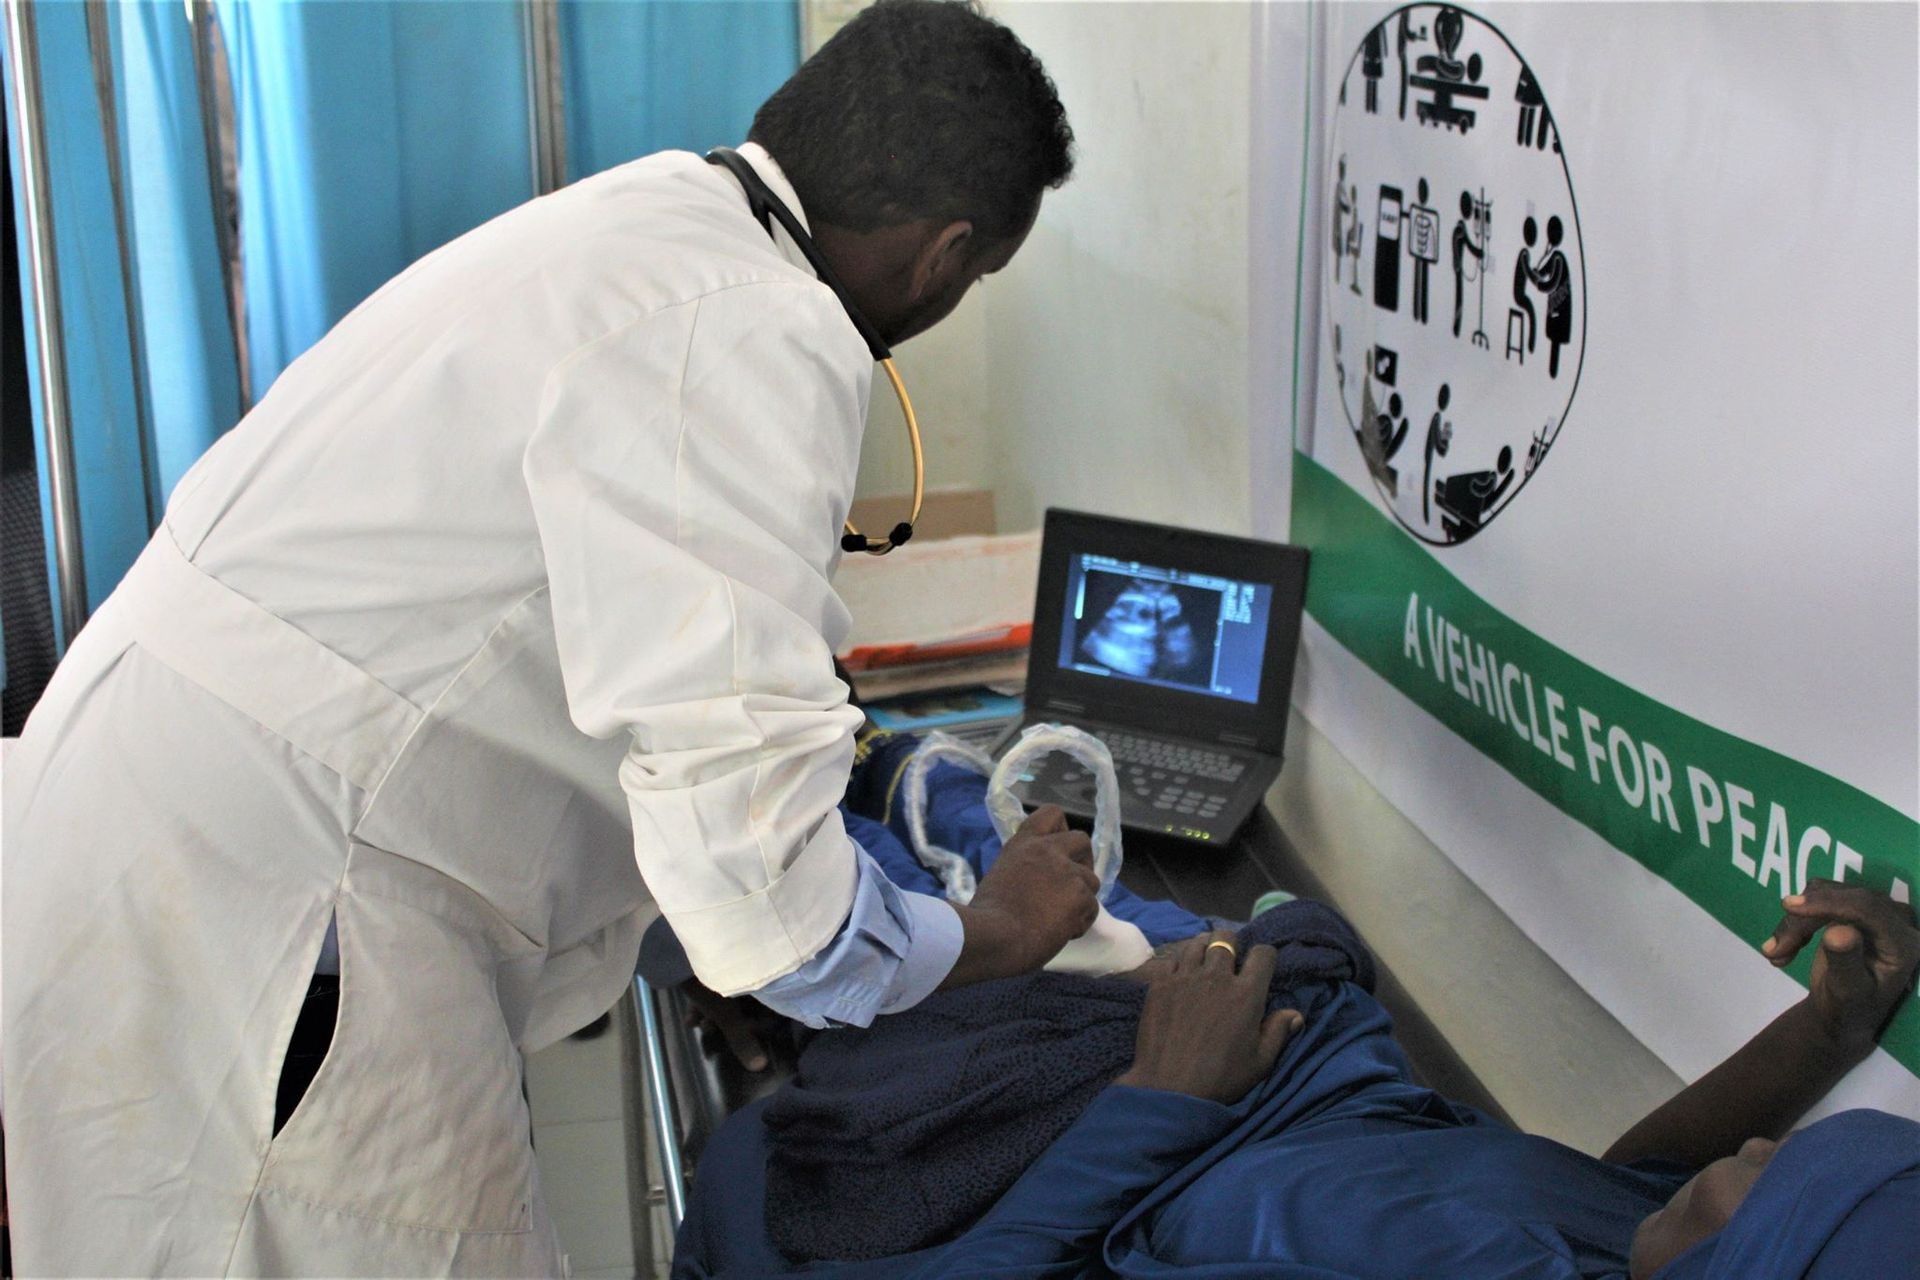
919 109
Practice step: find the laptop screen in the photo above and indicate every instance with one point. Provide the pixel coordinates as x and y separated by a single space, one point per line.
1155 625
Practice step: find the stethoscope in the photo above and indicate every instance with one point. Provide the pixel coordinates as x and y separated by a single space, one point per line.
764 203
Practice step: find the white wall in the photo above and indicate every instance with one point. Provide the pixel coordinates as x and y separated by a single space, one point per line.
1107 366
1117 351
945 370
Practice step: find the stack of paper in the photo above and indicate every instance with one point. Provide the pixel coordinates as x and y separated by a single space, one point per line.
940 614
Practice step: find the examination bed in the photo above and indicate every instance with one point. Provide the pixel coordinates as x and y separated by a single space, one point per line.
691 1088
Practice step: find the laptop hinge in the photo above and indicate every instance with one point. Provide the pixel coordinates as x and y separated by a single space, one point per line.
1061 704
1239 739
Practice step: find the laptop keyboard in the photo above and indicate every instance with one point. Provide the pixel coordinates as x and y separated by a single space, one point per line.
1174 757
1170 777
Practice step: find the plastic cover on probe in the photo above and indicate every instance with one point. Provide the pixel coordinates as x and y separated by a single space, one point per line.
1111 945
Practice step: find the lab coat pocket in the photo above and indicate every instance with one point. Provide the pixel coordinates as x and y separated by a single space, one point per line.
416 1116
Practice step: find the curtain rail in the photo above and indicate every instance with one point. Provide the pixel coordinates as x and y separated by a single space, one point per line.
546 97
50 352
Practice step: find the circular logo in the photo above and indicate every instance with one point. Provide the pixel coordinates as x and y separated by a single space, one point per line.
1456 289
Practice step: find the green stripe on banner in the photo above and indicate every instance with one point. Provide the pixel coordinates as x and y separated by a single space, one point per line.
1729 823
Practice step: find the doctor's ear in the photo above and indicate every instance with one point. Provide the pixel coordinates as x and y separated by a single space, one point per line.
944 255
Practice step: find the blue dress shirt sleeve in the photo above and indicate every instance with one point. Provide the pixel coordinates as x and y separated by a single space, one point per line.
893 950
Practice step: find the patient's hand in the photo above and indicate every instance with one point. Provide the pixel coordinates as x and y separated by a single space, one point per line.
1862 972
1201 1030
1866 961
743 1022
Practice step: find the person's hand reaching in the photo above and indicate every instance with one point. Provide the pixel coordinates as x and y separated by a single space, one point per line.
1866 961
1204 1030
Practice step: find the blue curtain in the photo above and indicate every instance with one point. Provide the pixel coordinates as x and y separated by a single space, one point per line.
661 74
369 132
191 383
373 132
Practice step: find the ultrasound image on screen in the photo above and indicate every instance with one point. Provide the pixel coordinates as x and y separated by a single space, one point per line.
1160 625
1150 629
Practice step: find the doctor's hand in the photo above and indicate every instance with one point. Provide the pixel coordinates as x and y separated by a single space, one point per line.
1041 894
1204 1029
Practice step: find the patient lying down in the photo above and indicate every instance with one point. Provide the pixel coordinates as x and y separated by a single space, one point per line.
1238 1107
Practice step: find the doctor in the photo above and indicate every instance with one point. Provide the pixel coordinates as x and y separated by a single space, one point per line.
501 626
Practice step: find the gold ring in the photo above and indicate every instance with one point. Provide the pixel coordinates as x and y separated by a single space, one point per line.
1225 946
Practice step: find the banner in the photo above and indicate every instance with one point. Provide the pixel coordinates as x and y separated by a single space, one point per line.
1604 425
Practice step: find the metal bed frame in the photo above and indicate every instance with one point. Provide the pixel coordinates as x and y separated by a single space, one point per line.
663 1120
688 1091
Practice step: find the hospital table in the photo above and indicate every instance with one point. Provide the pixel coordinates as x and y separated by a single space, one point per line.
690 1091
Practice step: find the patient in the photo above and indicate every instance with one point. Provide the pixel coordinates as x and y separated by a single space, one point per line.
1238 1108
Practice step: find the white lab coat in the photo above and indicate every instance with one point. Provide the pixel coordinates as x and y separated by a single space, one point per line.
511 593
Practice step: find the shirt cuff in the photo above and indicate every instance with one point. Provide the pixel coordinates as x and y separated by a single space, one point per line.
937 938
892 950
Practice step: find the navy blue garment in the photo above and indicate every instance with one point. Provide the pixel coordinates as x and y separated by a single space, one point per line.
1840 1200
957 820
900 1135
1337 1167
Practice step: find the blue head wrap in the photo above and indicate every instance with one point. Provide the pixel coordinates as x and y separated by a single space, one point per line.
1839 1200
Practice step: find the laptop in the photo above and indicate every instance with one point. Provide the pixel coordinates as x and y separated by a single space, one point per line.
1176 649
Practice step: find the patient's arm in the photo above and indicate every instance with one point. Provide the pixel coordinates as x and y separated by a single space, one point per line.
1864 969
1052 1221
